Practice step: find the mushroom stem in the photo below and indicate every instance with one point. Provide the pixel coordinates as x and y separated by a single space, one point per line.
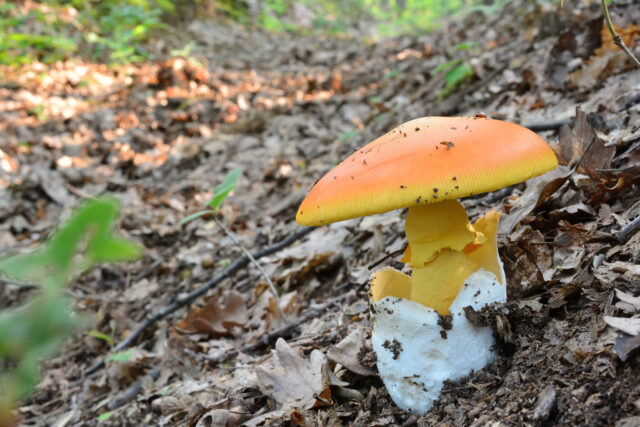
444 250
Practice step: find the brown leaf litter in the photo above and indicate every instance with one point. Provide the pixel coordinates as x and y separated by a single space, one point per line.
160 135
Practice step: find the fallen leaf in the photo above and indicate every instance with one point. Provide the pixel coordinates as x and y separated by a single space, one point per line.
607 59
7 163
629 299
142 290
625 345
582 143
578 41
214 320
538 190
349 353
303 258
528 260
214 417
629 325
628 269
293 381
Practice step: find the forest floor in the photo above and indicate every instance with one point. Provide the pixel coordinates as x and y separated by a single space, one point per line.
160 136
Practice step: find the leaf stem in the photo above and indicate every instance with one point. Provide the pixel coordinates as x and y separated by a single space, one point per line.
256 263
616 38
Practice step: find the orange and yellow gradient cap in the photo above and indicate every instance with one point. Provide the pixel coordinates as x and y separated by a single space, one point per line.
427 160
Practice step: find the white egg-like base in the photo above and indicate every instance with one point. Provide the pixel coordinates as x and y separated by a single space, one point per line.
416 355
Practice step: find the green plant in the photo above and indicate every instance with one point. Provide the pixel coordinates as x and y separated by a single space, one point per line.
220 193
113 29
37 329
378 18
457 71
118 27
19 44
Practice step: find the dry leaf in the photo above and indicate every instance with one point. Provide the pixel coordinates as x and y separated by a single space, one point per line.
628 299
538 190
607 59
214 320
349 353
293 381
629 325
628 269
582 142
625 345
528 261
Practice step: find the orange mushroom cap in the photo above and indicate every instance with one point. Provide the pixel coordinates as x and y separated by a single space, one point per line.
427 160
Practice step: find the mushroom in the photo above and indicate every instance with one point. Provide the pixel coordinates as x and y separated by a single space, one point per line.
420 333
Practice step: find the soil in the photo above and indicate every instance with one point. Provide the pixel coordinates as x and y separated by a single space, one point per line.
159 136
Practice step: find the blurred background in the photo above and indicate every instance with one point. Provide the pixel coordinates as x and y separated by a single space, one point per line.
51 30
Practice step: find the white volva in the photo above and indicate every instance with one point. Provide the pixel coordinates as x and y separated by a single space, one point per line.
416 355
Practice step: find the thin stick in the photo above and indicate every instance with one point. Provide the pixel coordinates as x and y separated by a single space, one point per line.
256 263
125 396
387 256
237 265
545 126
122 398
628 230
616 38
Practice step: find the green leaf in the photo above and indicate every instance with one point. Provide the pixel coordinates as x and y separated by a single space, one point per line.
466 45
121 356
222 190
458 74
446 66
454 78
57 261
196 215
101 336
348 135
105 416
27 335
35 330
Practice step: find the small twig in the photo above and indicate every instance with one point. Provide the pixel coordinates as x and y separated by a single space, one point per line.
550 125
616 38
628 230
135 388
79 192
256 263
237 265
387 256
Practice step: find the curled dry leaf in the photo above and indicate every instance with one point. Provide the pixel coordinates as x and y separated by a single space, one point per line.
629 270
293 381
214 320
